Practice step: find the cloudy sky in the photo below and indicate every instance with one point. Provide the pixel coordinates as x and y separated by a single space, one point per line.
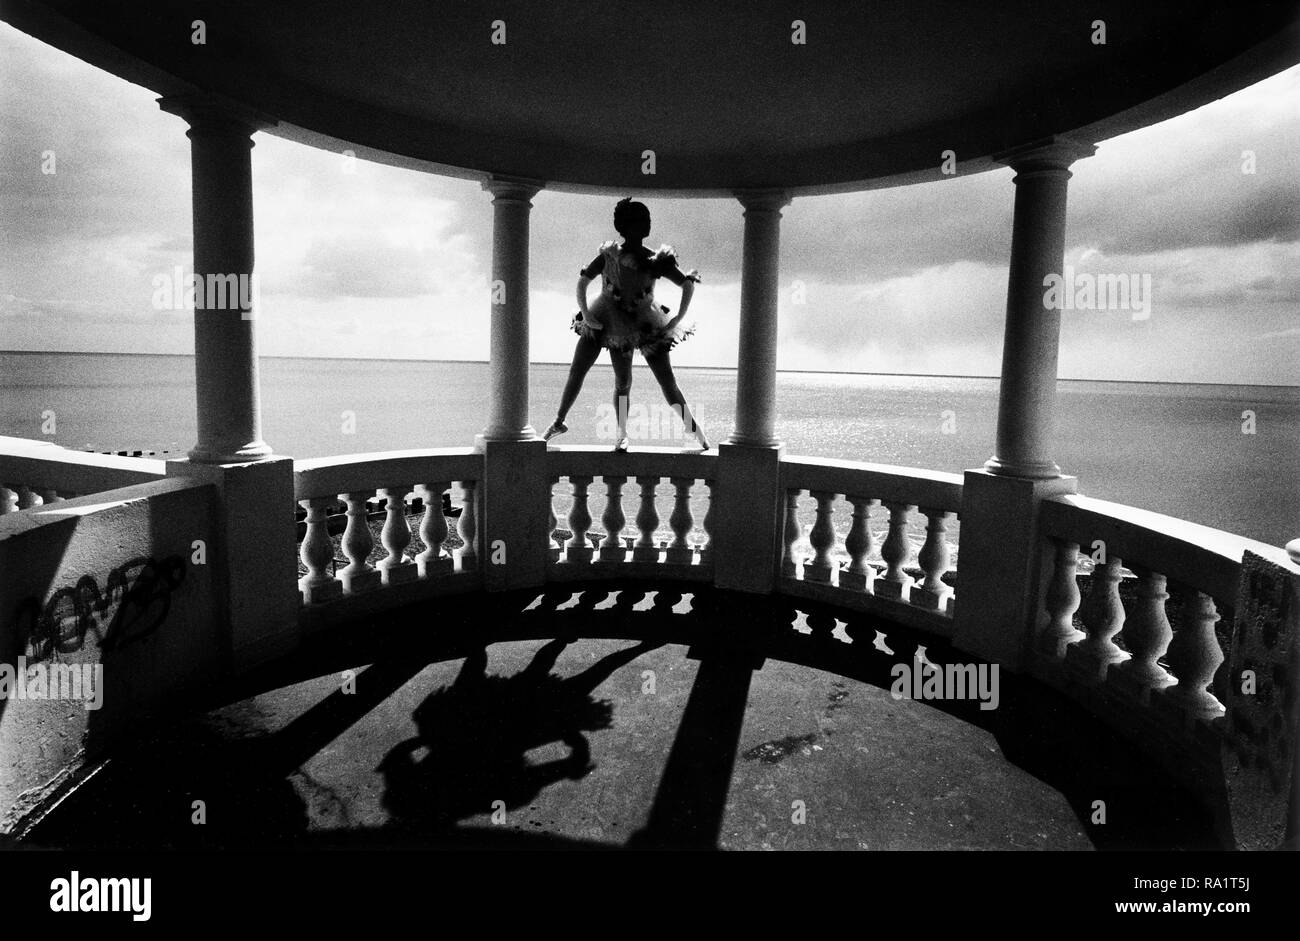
382 262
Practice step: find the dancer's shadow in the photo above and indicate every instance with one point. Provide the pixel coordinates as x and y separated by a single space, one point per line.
477 733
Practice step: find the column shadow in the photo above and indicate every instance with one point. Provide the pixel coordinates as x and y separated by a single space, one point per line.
692 797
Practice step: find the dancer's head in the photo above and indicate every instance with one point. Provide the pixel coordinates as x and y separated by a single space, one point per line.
631 219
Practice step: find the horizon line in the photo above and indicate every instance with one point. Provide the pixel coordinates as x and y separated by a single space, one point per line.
822 372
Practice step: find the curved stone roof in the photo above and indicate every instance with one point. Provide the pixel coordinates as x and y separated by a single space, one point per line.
719 92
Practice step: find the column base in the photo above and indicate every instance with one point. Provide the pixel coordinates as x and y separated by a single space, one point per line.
247 454
514 499
748 516
749 441
526 433
1031 470
1003 566
254 562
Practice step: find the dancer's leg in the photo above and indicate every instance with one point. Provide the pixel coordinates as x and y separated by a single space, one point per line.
584 355
622 363
662 367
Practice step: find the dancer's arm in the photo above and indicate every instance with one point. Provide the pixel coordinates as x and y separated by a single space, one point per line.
688 291
585 277
683 279
583 281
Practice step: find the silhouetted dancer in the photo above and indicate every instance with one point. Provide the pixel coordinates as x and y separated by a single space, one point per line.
626 317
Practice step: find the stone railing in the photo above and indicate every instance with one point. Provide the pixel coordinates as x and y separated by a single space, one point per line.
352 482
853 566
1140 645
36 473
1143 647
631 542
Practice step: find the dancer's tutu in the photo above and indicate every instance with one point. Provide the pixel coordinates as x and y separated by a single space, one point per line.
626 308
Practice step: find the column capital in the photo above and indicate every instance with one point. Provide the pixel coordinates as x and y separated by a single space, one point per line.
512 188
1052 154
763 200
210 114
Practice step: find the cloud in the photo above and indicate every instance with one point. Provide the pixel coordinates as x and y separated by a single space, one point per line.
357 266
1184 183
369 260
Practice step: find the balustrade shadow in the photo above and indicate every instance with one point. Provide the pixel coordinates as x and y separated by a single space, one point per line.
472 736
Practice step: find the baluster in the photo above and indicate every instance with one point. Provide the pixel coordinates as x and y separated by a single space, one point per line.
358 575
396 568
895 583
433 561
611 547
821 538
28 498
1147 633
679 550
934 559
1103 616
706 550
49 495
578 548
647 521
859 544
317 552
1061 601
8 500
1195 655
791 564
553 545
467 526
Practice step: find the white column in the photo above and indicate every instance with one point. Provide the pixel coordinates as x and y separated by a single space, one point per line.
1027 400
748 507
225 348
759 284
514 496
511 202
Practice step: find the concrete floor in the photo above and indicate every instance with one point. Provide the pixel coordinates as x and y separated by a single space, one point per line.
606 743
871 772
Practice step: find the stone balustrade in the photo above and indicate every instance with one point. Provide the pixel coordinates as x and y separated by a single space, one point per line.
37 473
630 496
394 479
899 567
1143 646
1155 558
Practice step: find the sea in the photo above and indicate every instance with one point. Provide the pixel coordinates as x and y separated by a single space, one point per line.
1225 456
